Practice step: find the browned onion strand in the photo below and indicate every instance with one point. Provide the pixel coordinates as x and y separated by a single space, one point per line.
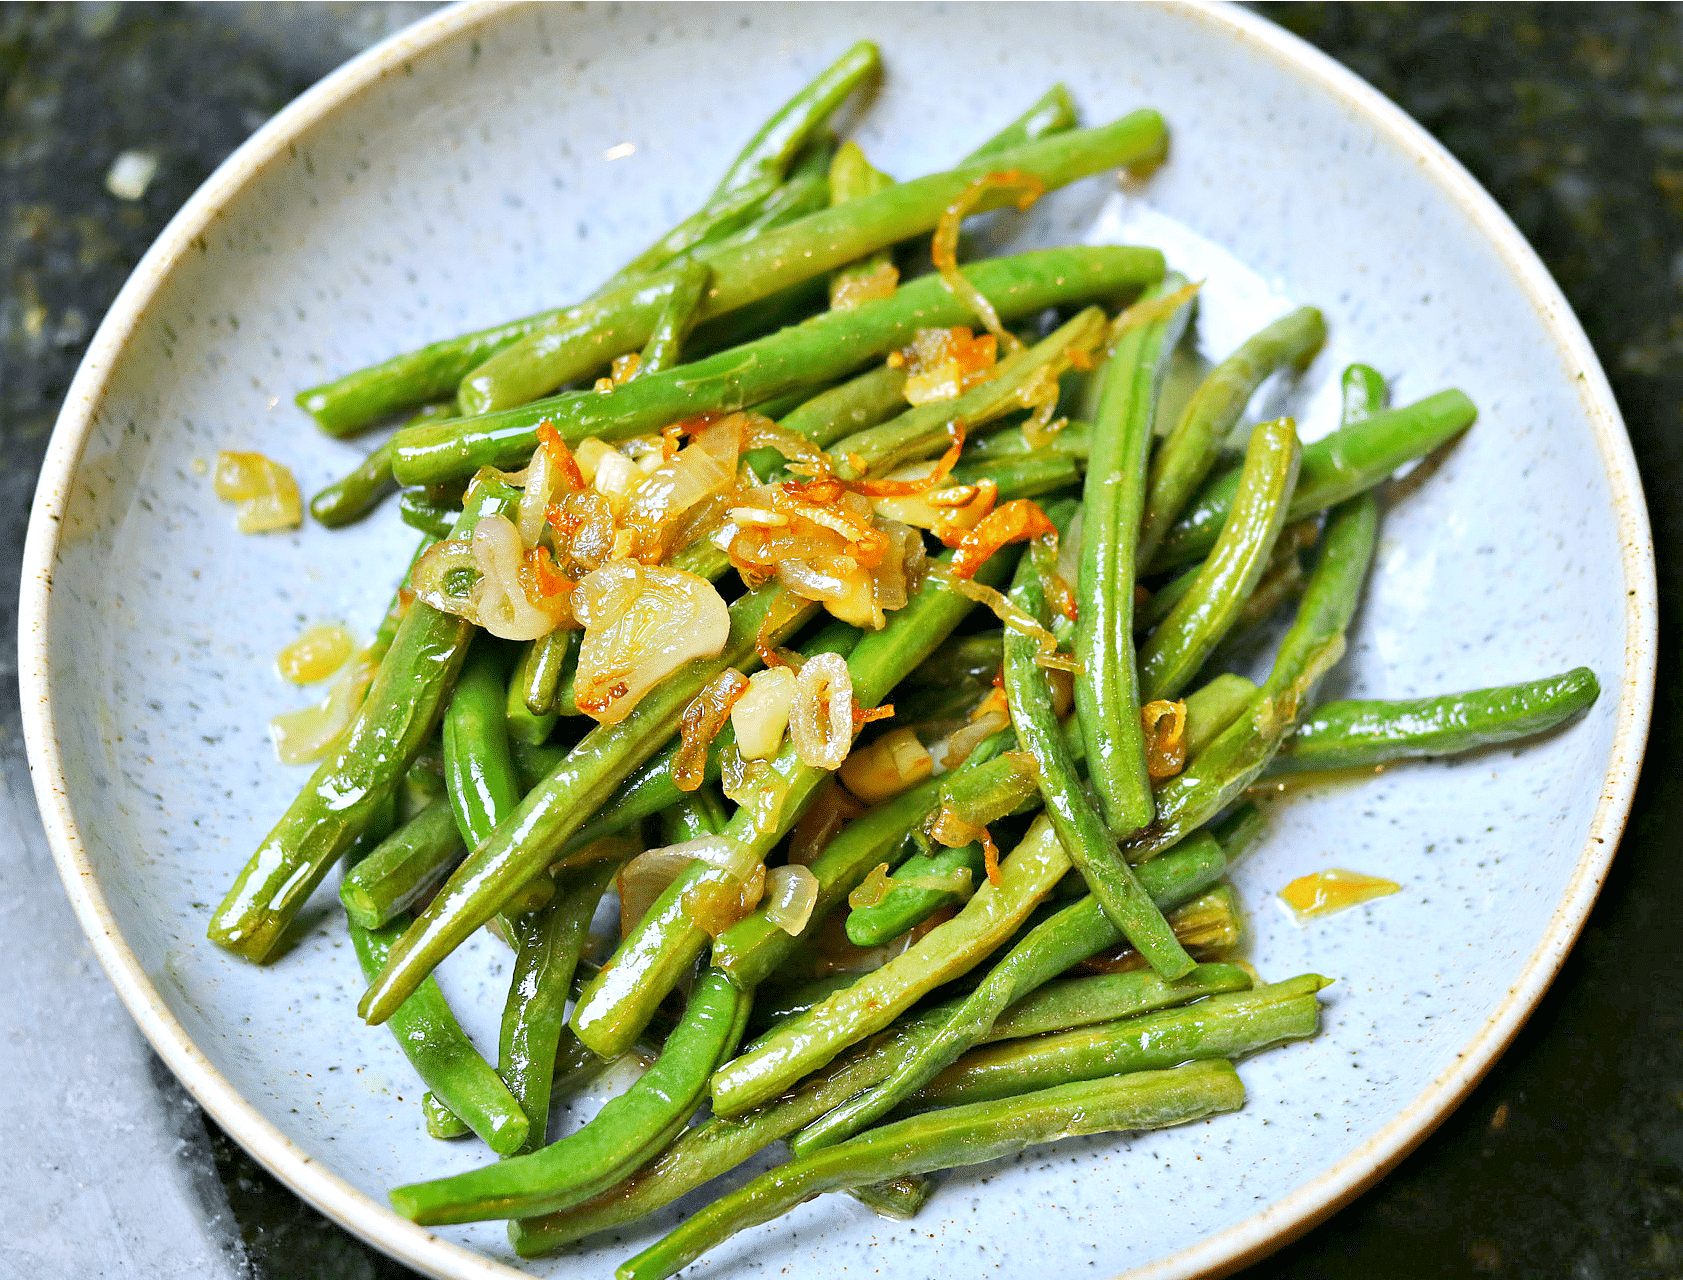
945 244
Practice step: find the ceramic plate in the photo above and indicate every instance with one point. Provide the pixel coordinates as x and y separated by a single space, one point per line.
494 160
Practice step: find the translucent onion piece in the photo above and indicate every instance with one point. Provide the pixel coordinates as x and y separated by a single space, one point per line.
446 576
500 598
1017 521
306 735
615 477
812 583
831 809
945 363
673 487
791 894
821 715
1017 620
715 905
763 433
701 722
316 654
761 714
872 889
589 453
642 622
944 248
648 875
264 494
1164 724
1324 892
989 716
541 482
886 767
857 605
853 287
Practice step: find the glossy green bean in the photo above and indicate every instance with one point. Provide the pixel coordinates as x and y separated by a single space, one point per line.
536 680
964 662
588 335
1363 393
354 496
441 1053
1078 823
1066 938
852 176
808 355
1340 465
1213 706
1191 449
441 1122
676 319
1205 614
535 1012
629 1130
652 957
946 1139
1053 112
1222 1026
1028 476
478 768
397 717
523 845
1107 690
402 868
905 906
420 511
1351 735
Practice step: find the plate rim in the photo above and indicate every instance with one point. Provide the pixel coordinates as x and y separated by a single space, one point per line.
1220 1254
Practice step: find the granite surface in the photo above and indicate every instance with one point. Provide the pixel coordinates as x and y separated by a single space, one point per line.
1568 1159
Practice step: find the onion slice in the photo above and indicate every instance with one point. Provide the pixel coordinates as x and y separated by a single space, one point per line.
945 244
821 715
701 722
761 713
1164 724
642 622
791 894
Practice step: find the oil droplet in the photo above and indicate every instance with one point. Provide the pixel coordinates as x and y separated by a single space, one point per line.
1333 890
316 654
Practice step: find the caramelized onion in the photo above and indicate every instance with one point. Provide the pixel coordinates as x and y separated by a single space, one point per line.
307 734
648 875
1016 521
886 767
872 889
761 713
945 245
821 715
264 494
1017 620
989 716
942 364
791 894
701 722
500 598
642 622
1165 737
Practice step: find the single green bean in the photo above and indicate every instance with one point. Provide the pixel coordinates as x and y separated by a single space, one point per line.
1106 692
478 768
905 906
534 1015
1054 112
397 717
654 955
1205 614
1223 1026
441 1053
586 336
862 401
1340 465
534 833
1364 394
441 1122
628 1131
808 355
349 499
538 675
420 511
1352 735
1069 936
1217 775
1186 457
898 1198
1074 441
704 228
401 870
676 319
717 1146
948 1138
1078 823
1027 476
1211 707
964 662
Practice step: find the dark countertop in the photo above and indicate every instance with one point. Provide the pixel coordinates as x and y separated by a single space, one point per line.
1566 1161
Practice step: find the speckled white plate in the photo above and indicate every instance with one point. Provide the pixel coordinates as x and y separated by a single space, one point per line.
463 172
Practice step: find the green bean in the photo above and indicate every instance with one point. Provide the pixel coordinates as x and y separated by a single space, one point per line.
717 1146
1106 691
1211 707
808 355
441 1053
676 319
1066 938
587 335
1352 735
924 430
1027 476
664 943
1364 394
1217 775
358 493
623 1135
707 226
862 401
400 871
532 764
699 813
534 1015
852 176
441 1122
537 679
1186 457
964 662
1211 921
807 1042
1175 651
905 906
397 717
1338 466
1073 441
899 1198
1222 1026
753 948
419 511
948 1138
534 833
1239 830
478 768
1053 113
769 151
1089 844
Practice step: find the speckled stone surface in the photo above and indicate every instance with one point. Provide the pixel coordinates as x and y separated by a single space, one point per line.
1606 1177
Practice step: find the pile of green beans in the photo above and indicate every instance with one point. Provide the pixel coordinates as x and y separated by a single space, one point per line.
938 1003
